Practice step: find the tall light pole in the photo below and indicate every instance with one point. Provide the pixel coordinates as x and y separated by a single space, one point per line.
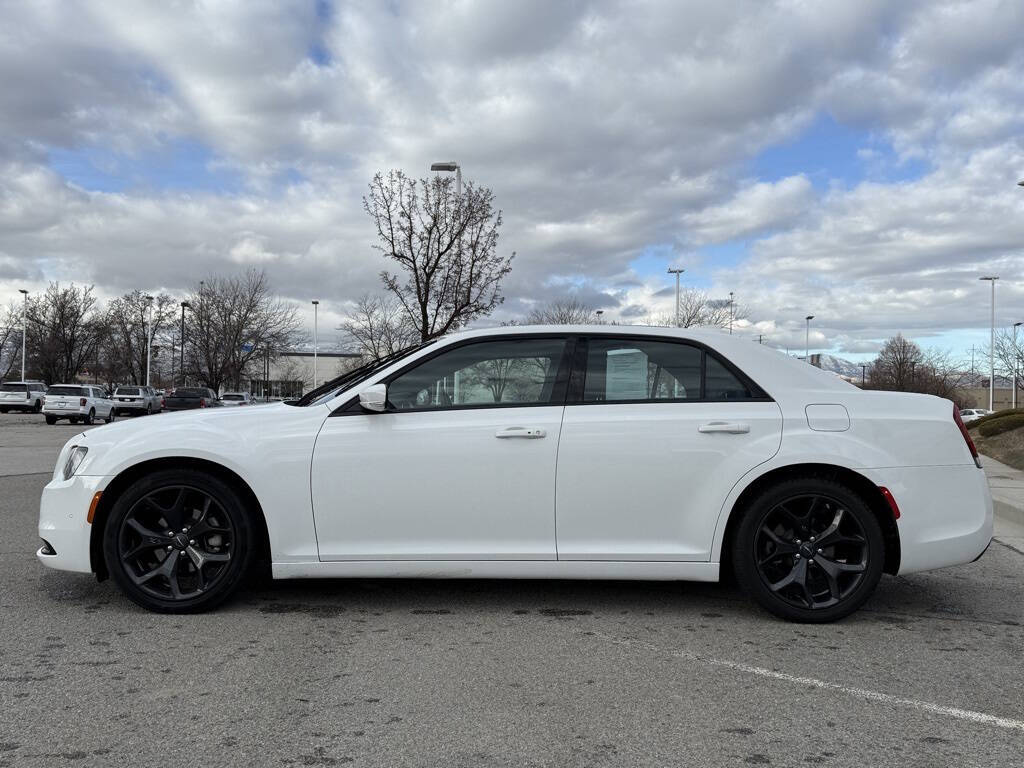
315 305
149 332
807 339
730 312
677 271
451 166
1014 400
24 327
992 346
184 305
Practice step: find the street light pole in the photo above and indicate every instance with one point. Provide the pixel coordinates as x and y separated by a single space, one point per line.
807 339
149 333
863 374
1014 400
451 166
992 347
677 271
730 312
24 327
315 305
184 305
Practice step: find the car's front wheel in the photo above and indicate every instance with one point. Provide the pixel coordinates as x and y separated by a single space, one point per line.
90 417
112 415
178 541
51 420
808 550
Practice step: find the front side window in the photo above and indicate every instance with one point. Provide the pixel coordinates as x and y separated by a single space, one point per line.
506 372
631 370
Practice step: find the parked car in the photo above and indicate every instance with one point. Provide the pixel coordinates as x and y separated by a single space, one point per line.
535 452
22 396
235 398
78 403
138 400
187 398
973 414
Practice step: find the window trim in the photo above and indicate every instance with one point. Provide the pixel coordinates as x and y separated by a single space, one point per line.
559 392
578 375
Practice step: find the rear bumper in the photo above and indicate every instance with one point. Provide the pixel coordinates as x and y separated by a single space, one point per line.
945 514
140 407
78 410
63 510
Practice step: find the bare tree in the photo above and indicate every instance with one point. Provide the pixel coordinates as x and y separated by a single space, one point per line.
697 309
128 327
903 366
445 246
10 341
562 312
65 330
234 322
379 326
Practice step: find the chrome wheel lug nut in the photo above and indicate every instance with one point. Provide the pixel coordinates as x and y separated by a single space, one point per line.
812 538
169 547
798 556
798 541
193 542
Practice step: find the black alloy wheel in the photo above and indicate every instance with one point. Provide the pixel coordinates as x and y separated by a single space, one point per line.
809 550
177 541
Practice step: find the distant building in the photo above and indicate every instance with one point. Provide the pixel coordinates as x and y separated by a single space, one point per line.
291 372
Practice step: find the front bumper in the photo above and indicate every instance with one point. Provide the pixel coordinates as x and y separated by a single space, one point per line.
946 514
63 511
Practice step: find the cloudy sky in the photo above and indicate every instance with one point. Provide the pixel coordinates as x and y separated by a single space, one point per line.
852 160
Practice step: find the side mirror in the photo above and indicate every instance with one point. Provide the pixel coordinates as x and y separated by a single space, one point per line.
374 398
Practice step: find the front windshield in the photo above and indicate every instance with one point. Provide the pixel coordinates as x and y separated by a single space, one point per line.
329 389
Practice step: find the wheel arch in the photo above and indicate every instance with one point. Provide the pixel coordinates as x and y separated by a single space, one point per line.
855 481
129 475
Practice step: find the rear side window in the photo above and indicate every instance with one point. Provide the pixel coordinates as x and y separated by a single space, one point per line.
23 388
638 370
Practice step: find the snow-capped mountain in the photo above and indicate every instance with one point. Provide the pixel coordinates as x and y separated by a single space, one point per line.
838 365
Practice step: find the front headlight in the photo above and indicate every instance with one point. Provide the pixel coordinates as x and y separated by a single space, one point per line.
75 459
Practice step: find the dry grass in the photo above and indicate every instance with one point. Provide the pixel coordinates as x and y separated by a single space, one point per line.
1007 447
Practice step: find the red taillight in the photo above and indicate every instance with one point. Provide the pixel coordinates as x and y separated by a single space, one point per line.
202 402
891 501
81 401
967 438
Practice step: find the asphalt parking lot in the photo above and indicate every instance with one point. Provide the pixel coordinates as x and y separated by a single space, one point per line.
487 673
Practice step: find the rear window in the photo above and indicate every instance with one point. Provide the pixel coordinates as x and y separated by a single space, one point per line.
13 388
230 396
183 392
64 391
127 391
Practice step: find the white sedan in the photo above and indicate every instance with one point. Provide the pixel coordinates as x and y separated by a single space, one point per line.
535 452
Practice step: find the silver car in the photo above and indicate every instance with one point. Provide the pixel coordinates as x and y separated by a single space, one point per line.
138 401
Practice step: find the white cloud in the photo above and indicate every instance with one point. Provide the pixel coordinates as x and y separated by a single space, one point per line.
604 128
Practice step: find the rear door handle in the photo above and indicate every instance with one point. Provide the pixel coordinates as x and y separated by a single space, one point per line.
729 427
528 433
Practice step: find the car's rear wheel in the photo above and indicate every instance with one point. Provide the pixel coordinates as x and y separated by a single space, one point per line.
112 415
3 410
808 550
37 407
51 419
178 541
149 409
90 416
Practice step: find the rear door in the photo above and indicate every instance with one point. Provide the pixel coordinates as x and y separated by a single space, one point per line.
655 434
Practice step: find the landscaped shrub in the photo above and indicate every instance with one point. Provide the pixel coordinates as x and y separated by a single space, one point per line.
993 416
1002 424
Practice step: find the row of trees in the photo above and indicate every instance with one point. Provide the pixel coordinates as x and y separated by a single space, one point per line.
903 366
232 325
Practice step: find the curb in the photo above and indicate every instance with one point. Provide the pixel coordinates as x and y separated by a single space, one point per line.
1008 512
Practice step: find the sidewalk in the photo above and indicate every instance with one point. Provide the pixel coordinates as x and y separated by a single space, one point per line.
1007 486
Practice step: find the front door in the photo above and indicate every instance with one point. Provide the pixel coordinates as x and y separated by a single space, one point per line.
461 465
653 439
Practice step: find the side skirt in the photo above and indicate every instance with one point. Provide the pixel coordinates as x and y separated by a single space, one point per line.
497 569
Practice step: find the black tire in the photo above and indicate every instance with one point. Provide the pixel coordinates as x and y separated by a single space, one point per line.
164 592
149 409
778 562
112 415
38 407
72 419
51 420
90 417
3 410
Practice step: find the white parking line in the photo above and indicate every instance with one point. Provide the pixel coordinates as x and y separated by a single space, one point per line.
862 693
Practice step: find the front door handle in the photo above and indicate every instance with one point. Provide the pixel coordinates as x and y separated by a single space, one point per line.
528 433
729 427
